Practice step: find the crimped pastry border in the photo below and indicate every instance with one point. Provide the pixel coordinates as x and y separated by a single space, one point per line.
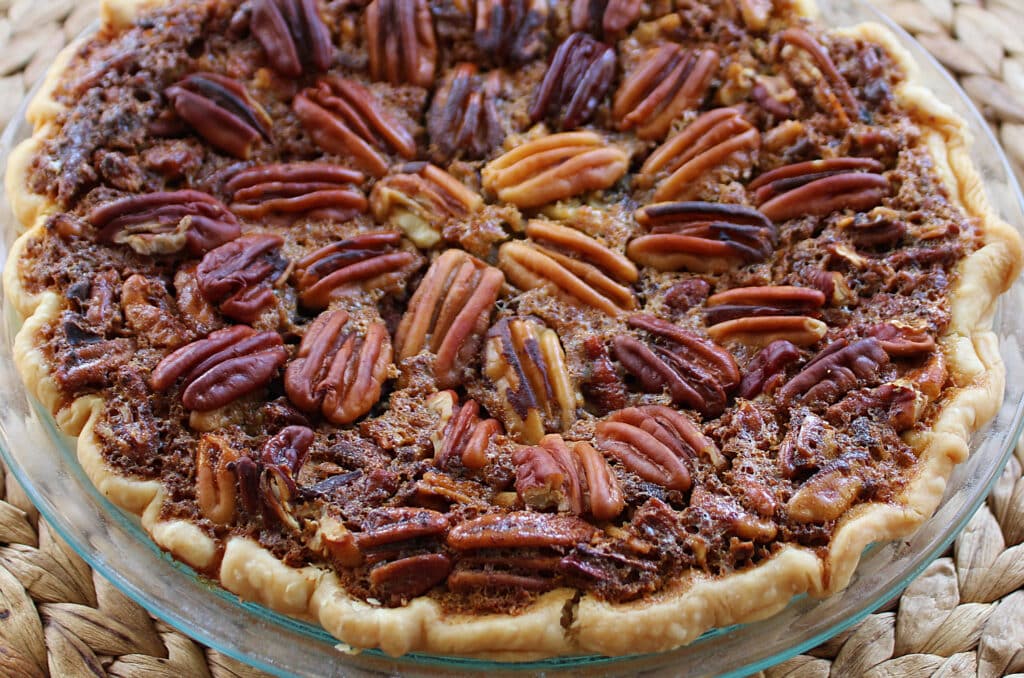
695 603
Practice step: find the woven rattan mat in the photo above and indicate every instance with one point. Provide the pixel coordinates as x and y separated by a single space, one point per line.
964 616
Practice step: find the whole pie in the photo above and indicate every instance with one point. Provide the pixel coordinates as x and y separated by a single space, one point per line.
515 328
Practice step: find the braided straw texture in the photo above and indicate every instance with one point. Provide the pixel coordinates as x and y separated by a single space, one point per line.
964 616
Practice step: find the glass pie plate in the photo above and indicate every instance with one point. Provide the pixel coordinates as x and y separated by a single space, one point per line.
113 543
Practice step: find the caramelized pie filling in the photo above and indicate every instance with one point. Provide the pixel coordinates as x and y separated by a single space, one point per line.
588 299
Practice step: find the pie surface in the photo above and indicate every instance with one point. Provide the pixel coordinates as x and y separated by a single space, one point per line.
507 328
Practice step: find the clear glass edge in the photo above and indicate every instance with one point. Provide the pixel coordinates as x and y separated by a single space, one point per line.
178 615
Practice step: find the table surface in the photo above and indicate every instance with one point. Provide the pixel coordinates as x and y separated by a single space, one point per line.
963 616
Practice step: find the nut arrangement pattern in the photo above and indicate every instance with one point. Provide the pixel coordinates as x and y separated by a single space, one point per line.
478 299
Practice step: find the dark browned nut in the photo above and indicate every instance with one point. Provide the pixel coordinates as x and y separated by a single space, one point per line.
461 433
281 458
346 119
881 228
897 404
407 578
166 222
449 314
238 276
385 527
839 89
607 19
703 237
497 569
520 529
768 368
809 444
149 312
101 310
463 120
554 167
221 368
400 42
724 510
757 316
576 82
222 111
902 341
694 371
525 363
832 284
720 139
368 261
669 82
839 368
511 31
339 371
571 266
293 34
572 478
420 199
319 189
820 187
655 442
216 494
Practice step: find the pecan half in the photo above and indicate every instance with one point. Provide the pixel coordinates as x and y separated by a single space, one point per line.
881 228
165 222
525 363
669 82
268 485
449 314
839 89
694 371
237 276
768 368
820 187
825 496
463 120
401 546
839 368
367 261
293 35
571 266
703 237
718 139
554 167
520 551
400 42
902 341
896 404
149 312
462 434
319 189
222 367
215 478
576 479
809 444
339 372
656 443
607 19
576 82
420 199
757 316
345 118
511 31
222 111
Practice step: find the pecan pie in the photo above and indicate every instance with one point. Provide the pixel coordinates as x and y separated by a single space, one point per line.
514 328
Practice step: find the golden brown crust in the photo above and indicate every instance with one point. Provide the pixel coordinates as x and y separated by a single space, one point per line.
681 614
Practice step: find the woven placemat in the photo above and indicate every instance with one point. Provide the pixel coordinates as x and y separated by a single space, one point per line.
963 617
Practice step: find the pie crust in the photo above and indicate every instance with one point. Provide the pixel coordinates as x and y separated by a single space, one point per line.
674 616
